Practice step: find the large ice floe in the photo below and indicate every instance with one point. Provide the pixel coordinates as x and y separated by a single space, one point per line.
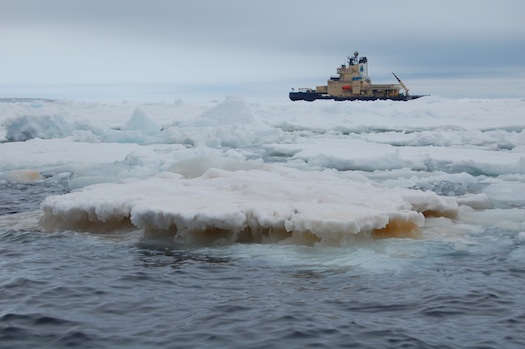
262 204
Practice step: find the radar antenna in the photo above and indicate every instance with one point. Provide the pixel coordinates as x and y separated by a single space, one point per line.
353 60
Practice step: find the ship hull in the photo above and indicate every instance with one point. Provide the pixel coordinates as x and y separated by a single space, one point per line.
312 96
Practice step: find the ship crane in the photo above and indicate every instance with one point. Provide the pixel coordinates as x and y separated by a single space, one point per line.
402 85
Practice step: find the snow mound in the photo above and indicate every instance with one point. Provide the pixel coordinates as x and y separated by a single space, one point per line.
233 111
140 121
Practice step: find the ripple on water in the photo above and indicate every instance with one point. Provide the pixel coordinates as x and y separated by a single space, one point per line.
82 290
24 197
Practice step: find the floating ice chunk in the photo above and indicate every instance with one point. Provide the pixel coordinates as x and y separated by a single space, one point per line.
506 193
200 164
229 124
21 176
431 204
28 127
274 204
139 129
476 201
140 121
233 111
25 128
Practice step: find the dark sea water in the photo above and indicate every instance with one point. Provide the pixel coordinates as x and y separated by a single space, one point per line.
121 290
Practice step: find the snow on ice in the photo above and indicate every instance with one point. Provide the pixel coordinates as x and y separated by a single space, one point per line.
270 204
271 171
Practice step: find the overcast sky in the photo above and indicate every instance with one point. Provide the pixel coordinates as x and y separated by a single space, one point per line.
282 43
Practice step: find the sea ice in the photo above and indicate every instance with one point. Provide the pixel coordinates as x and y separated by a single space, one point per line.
271 204
313 173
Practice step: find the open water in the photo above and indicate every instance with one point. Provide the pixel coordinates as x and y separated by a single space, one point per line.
80 290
